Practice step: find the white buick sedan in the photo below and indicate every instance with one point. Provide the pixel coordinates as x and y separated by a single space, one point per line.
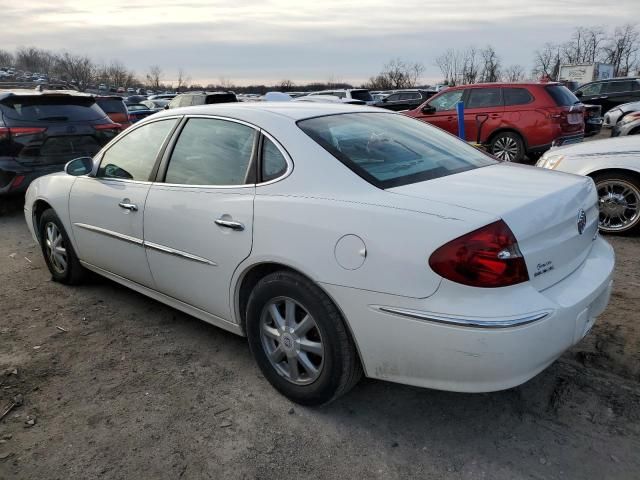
340 240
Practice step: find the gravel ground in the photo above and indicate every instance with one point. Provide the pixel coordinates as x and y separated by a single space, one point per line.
117 386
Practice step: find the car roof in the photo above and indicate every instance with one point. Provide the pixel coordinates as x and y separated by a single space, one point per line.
4 93
503 84
293 110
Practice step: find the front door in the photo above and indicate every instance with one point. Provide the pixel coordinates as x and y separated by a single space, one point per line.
198 223
106 211
443 114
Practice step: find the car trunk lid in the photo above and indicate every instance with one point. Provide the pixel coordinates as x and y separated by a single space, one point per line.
543 209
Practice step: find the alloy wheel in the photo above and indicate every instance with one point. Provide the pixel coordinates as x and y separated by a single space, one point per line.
292 341
506 149
55 248
618 205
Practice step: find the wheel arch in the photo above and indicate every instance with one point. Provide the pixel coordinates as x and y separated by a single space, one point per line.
253 273
508 129
39 207
625 171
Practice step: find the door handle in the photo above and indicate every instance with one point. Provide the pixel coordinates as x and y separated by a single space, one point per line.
128 206
494 115
230 224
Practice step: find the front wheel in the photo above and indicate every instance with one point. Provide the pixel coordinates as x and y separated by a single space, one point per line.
299 340
59 255
619 197
508 147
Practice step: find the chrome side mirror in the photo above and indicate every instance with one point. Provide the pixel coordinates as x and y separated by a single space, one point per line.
79 166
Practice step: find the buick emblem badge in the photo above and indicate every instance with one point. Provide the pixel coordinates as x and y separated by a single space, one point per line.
582 221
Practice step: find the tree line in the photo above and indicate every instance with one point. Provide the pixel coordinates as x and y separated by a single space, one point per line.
619 47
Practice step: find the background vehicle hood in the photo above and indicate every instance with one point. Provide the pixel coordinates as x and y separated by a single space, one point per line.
629 145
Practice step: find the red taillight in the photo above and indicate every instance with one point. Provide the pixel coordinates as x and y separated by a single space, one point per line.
108 126
488 257
19 131
17 181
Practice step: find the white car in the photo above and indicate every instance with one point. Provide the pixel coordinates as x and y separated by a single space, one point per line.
613 116
339 240
361 94
614 165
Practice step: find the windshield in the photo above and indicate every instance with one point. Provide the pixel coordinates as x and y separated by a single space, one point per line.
391 150
363 95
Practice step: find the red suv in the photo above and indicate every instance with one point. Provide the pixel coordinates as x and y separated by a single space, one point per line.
511 119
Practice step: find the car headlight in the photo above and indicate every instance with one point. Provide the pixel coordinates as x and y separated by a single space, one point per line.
550 161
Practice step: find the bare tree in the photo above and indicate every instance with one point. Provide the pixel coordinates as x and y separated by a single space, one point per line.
470 66
153 77
513 73
183 80
6 58
286 85
396 74
76 68
491 64
226 83
35 60
621 50
449 65
547 61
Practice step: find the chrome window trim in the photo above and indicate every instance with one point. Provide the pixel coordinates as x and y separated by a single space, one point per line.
178 253
110 233
258 130
464 322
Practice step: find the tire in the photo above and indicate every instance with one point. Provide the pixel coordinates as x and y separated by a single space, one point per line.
508 147
69 271
619 200
334 366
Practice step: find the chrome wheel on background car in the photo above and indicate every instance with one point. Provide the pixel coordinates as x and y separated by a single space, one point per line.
618 201
507 147
291 340
55 248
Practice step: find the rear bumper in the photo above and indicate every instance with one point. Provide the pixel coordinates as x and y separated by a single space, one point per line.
16 178
436 350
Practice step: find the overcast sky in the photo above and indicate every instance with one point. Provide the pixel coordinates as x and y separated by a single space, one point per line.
270 40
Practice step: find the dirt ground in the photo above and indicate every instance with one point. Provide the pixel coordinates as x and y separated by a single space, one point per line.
132 389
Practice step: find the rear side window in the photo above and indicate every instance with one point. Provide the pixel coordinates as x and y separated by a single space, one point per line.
51 108
221 98
363 95
111 105
617 87
516 96
273 163
134 156
211 152
562 95
391 150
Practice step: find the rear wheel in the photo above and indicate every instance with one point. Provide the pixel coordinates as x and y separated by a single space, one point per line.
619 197
58 252
508 147
298 338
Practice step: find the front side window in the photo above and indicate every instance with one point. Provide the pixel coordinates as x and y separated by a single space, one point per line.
484 98
133 156
274 164
591 89
211 152
446 101
391 150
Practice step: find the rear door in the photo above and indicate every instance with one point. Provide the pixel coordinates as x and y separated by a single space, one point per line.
106 211
444 114
482 106
617 92
198 222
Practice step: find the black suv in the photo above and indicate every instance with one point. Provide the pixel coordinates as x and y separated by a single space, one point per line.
41 131
610 93
201 98
405 99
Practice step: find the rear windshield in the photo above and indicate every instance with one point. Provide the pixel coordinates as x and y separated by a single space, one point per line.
111 105
562 95
390 150
51 108
363 95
